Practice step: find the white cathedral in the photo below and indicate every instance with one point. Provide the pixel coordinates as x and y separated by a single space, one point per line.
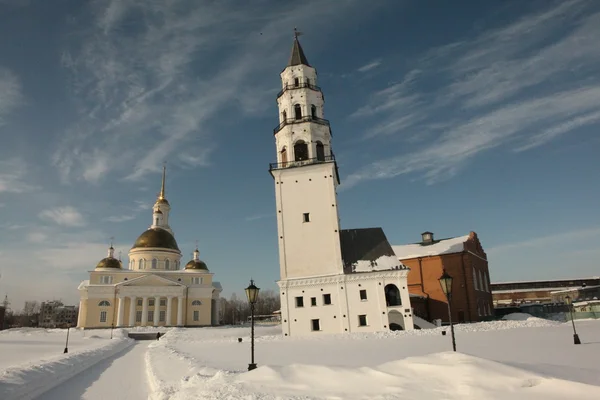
332 280
154 290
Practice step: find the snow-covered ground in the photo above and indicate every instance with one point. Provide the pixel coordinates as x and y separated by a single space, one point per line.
519 358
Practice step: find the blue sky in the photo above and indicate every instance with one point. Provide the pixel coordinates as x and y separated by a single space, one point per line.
479 117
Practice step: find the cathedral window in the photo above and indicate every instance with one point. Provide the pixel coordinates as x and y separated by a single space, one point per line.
163 302
313 111
103 316
299 301
151 302
140 303
297 111
362 320
106 280
327 299
196 315
154 263
104 303
138 316
161 316
300 151
196 281
167 264
363 295
315 325
392 295
150 316
140 264
306 217
320 151
196 303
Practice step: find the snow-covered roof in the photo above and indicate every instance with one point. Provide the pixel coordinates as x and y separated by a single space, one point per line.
444 246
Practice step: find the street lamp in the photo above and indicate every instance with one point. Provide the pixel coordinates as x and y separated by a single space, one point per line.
67 342
575 335
252 294
446 283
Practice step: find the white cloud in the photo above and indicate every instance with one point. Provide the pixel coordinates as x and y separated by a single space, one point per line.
121 218
10 93
551 241
151 90
369 66
522 84
66 216
36 237
257 217
12 176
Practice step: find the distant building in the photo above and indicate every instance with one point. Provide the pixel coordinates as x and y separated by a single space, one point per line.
54 314
464 259
522 292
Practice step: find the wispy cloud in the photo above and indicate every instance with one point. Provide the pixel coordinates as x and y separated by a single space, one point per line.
151 89
369 66
66 216
548 241
523 84
13 176
257 217
10 93
131 213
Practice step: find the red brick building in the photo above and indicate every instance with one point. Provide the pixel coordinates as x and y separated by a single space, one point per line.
464 259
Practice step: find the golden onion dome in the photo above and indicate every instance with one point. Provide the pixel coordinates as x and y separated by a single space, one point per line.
162 201
196 265
156 237
109 262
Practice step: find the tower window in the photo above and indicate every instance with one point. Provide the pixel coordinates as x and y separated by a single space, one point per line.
326 299
296 82
306 217
154 263
167 264
313 111
156 221
300 302
316 326
297 111
283 116
320 151
363 294
313 301
284 156
362 320
300 151
308 81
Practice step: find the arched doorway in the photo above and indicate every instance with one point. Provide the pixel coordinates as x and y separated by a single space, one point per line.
392 295
300 151
395 320
320 151
396 327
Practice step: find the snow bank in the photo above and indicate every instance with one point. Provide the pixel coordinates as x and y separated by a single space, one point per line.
29 382
444 246
383 263
517 317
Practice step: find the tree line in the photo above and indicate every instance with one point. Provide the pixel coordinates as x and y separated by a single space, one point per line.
235 311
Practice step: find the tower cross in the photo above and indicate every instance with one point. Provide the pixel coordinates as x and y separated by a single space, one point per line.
297 33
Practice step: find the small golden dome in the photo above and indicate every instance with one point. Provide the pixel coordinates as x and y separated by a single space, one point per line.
196 264
109 262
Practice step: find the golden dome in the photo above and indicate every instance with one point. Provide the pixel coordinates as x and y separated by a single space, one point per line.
109 262
156 237
196 264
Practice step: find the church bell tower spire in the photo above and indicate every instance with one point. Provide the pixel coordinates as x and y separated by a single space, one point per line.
305 174
161 209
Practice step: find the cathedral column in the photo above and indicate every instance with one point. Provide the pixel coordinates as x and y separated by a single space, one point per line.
121 311
80 321
169 306
132 300
156 309
179 310
145 311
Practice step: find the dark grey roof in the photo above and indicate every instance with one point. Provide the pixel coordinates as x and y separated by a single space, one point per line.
297 57
367 244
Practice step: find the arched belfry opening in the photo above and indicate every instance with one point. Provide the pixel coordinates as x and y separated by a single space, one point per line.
297 111
392 295
284 157
320 151
283 116
313 111
300 151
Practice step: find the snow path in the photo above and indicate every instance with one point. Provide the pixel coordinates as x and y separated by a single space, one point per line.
122 376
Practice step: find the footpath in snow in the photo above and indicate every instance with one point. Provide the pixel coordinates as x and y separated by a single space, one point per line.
122 376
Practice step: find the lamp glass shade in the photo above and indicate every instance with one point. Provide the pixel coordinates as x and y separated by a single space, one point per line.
252 292
446 283
568 299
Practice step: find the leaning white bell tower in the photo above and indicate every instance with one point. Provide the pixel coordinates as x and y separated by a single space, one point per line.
306 176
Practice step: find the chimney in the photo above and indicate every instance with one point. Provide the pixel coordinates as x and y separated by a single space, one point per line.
426 238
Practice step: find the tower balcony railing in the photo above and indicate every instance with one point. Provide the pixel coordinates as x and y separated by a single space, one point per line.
298 86
306 118
300 163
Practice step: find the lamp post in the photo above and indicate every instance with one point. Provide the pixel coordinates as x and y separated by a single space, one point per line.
67 342
446 284
575 335
252 294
